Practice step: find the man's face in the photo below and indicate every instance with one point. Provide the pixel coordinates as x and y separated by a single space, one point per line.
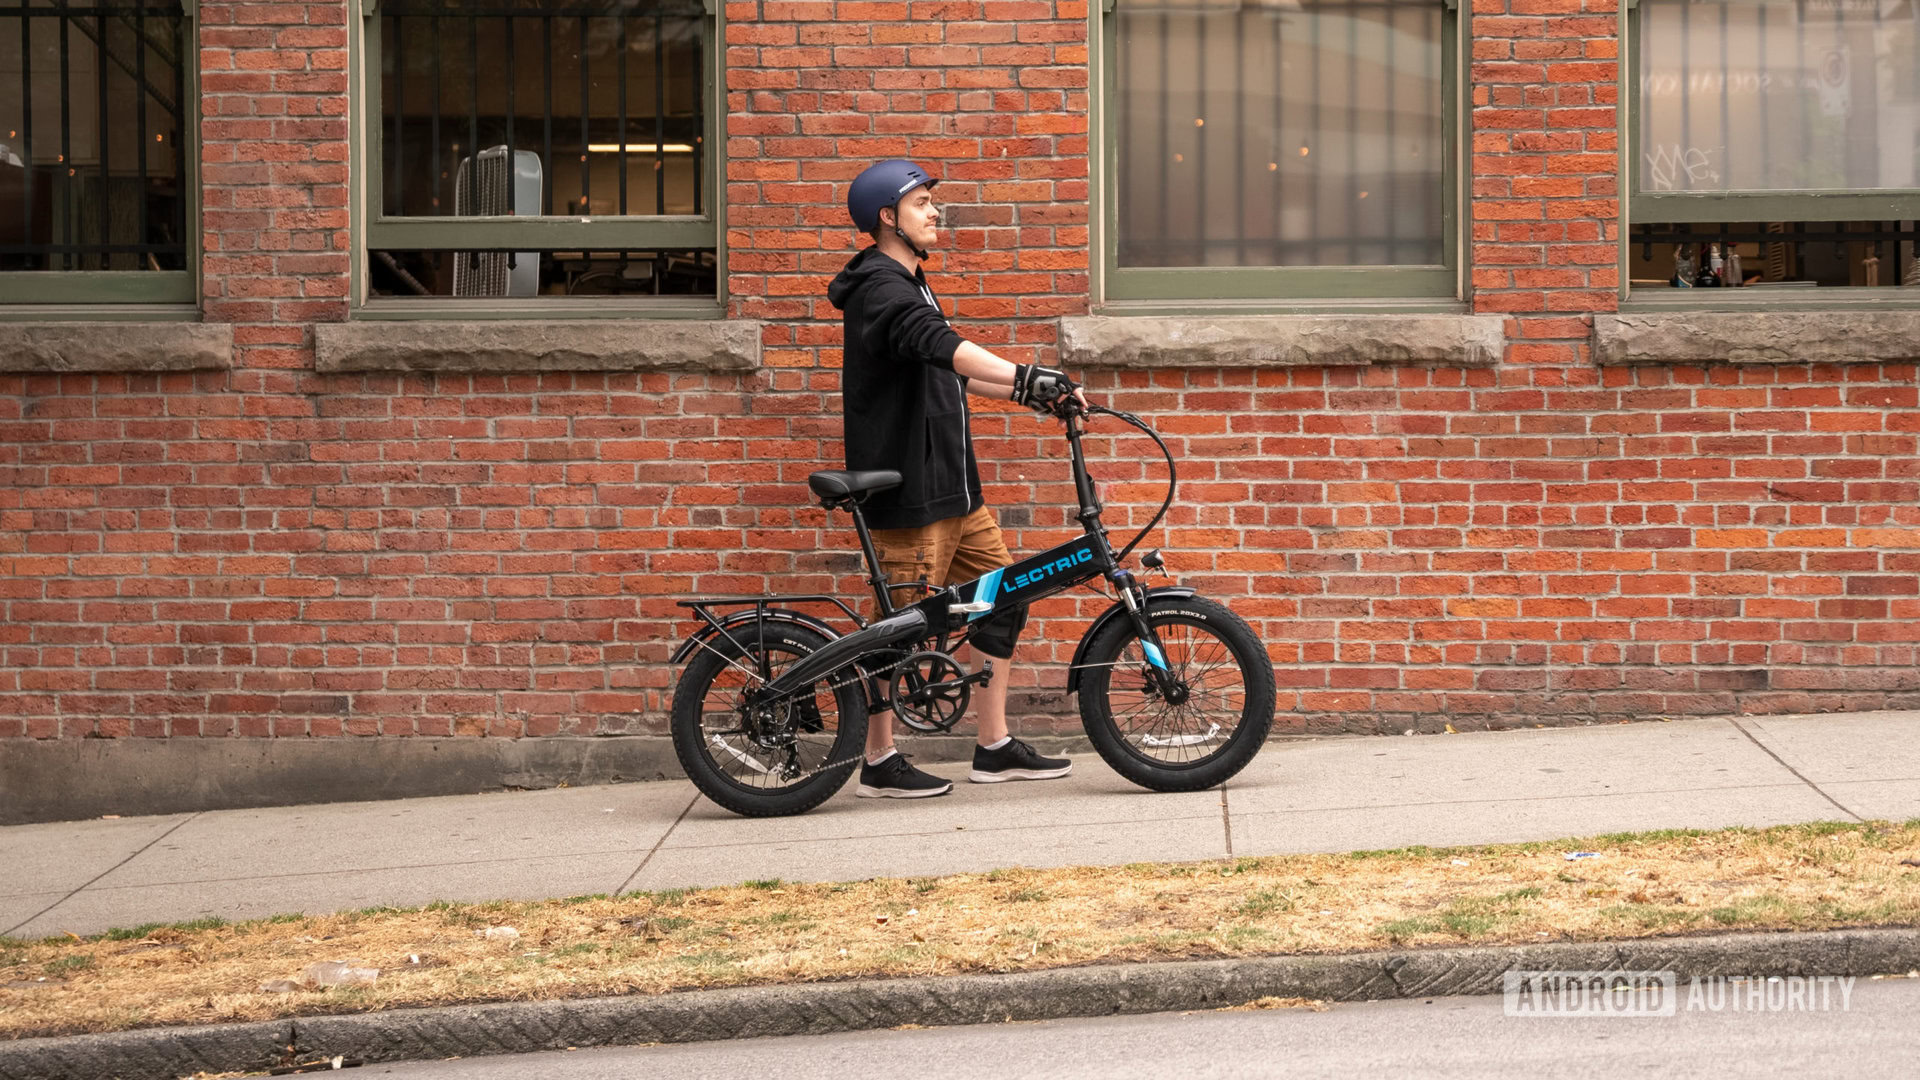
918 218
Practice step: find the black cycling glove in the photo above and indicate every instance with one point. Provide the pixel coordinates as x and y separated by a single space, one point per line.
1042 389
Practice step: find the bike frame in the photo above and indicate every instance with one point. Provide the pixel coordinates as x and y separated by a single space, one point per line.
1017 586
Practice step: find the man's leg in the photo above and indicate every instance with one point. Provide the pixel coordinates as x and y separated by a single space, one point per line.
997 755
905 555
990 701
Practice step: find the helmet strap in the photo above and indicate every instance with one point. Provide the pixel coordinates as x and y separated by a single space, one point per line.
918 253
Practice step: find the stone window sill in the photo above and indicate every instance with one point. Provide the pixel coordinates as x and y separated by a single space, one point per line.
59 347
1757 337
611 345
1263 341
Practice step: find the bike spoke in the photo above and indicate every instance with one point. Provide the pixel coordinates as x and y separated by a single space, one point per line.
1198 727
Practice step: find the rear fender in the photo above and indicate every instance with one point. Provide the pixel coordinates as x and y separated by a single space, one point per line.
748 618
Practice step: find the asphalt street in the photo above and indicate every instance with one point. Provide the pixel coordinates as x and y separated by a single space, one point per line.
1872 1033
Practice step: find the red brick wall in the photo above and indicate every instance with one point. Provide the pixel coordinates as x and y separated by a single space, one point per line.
270 551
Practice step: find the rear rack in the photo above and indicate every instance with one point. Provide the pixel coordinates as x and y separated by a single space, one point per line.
760 604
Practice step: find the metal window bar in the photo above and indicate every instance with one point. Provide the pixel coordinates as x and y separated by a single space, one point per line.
140 116
66 146
659 113
26 119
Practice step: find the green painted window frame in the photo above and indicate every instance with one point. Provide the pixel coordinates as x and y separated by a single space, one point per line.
543 233
1707 208
75 291
1196 286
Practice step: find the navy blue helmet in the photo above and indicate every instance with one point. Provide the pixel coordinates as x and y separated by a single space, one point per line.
881 186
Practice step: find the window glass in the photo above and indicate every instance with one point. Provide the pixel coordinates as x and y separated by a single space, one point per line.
93 119
1772 95
593 108
1279 133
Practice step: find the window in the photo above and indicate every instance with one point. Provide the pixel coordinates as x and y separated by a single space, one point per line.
95 152
1279 148
535 149
1777 140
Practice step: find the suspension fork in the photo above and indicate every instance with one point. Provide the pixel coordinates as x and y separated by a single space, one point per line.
1133 596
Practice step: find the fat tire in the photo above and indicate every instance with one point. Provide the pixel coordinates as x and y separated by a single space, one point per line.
689 742
1256 720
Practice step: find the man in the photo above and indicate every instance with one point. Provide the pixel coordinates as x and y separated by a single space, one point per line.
904 382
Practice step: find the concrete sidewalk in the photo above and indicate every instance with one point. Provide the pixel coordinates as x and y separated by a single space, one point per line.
1301 795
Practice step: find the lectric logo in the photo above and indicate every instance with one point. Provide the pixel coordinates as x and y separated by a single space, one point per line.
1043 572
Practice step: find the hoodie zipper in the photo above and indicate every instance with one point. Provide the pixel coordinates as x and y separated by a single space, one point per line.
966 413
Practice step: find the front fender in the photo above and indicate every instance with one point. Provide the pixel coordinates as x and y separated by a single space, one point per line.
1117 611
747 617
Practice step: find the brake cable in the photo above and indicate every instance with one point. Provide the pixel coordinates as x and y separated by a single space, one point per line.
1172 474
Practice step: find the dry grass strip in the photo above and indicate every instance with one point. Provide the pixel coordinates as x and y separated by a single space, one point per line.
1807 877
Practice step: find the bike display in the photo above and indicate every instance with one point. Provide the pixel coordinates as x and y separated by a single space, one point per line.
770 712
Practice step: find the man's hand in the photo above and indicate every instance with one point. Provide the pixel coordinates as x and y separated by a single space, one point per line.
1044 389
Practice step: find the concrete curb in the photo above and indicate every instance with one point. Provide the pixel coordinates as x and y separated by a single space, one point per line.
823 1008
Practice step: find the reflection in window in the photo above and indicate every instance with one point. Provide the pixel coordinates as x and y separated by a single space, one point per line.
1777 95
1775 255
1279 133
92 123
554 273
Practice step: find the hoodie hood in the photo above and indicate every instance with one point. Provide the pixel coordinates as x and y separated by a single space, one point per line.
866 264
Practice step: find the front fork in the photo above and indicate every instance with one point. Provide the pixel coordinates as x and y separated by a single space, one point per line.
1133 596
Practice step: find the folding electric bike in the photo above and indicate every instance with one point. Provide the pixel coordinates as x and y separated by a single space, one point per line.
770 714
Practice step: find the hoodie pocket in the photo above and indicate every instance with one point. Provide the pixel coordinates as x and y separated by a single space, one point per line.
946 455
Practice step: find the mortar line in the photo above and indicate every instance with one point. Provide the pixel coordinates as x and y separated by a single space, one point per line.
1794 771
130 857
657 844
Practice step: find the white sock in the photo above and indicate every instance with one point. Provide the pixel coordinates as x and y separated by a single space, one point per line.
1004 740
871 760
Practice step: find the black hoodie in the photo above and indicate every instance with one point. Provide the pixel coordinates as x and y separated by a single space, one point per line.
905 408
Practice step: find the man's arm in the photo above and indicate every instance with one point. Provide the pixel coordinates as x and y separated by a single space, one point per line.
988 375
977 365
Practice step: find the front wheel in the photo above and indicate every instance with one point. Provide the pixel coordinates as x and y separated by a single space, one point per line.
1216 720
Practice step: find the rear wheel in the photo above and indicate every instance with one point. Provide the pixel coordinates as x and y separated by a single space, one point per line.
1204 733
786 758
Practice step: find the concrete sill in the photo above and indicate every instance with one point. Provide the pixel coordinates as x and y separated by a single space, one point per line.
612 345
1757 337
59 347
1262 341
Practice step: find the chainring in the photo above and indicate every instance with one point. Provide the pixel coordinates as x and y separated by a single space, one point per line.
919 701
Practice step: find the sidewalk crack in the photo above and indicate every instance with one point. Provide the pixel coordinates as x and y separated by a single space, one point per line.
1226 820
684 811
83 887
1796 772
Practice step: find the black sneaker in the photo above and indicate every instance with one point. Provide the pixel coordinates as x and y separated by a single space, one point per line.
896 778
1015 761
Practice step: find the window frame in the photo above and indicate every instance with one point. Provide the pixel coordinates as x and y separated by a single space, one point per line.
1151 288
1715 207
94 294
374 230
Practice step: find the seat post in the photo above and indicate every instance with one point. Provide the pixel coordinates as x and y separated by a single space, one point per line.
875 578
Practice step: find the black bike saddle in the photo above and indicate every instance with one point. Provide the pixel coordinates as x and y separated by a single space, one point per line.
841 484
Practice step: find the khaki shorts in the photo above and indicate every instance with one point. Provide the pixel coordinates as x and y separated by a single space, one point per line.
950 552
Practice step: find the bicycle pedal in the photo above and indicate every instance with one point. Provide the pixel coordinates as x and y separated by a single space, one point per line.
971 607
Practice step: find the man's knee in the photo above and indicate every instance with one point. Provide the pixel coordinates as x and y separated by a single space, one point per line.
997 634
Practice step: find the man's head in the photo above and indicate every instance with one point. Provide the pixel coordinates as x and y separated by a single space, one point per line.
895 198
